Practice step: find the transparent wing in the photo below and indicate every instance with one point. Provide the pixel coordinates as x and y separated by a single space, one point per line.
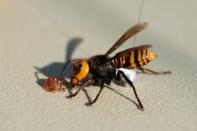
129 33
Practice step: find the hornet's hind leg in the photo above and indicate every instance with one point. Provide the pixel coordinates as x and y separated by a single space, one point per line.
149 71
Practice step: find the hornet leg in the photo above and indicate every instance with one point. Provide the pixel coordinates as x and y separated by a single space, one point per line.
149 71
134 90
85 84
101 88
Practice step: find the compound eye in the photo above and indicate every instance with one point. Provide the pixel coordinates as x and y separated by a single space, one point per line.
77 68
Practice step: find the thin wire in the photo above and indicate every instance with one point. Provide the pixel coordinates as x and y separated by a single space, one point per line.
139 18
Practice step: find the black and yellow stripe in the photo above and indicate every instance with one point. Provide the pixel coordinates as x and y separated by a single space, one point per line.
133 59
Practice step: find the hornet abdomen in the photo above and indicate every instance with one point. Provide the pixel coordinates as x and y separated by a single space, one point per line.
133 58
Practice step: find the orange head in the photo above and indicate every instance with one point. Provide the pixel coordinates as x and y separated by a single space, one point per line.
151 55
80 71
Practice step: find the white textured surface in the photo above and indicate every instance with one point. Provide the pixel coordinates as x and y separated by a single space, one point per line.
36 32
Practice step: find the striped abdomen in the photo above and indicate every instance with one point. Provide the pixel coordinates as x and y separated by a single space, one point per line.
133 58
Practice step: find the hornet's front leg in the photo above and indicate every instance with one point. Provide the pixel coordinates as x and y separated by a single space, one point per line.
81 86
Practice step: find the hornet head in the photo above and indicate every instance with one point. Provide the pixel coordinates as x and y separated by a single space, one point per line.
80 71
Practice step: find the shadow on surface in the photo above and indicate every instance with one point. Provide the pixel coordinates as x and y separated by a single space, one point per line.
54 68
123 96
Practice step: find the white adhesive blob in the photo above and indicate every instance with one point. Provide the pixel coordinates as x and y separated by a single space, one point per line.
131 74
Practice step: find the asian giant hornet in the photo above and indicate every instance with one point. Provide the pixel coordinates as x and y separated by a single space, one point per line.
102 69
